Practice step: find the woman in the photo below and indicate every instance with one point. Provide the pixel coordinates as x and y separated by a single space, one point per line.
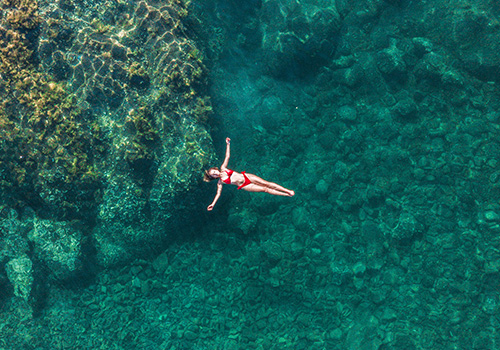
249 182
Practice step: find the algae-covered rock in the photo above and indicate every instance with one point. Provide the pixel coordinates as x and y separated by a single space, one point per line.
13 241
103 121
20 273
58 246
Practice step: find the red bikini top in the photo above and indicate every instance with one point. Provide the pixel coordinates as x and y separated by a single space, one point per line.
229 173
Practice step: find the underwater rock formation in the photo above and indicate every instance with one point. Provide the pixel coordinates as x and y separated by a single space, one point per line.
20 274
470 32
298 36
13 232
14 250
103 120
45 155
58 246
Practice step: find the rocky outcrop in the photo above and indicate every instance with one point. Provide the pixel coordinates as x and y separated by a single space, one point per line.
104 122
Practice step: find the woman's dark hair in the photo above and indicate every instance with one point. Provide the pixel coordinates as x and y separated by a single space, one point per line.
206 175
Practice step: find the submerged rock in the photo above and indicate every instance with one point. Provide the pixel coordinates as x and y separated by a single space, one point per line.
20 273
243 221
392 65
58 246
298 36
470 32
273 251
117 129
13 242
407 228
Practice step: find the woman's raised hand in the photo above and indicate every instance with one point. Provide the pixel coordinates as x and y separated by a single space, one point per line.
228 140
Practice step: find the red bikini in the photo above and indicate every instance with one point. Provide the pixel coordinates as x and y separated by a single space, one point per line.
228 180
247 181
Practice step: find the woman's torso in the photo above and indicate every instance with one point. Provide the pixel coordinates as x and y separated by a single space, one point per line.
231 177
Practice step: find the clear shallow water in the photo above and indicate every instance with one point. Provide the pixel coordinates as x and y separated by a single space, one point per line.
388 135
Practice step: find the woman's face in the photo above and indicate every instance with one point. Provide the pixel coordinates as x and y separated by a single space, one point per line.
214 173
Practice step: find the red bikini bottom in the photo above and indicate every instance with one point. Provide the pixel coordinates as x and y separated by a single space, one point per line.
247 181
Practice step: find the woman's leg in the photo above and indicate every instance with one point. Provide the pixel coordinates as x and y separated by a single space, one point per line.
260 181
258 188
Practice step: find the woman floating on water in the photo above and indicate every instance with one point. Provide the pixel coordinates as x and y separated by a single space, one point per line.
249 182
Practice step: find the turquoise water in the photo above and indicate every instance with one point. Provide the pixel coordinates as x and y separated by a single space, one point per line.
382 116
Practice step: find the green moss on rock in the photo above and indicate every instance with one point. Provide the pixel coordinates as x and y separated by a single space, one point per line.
44 148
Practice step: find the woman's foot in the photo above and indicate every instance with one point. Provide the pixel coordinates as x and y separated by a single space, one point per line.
291 193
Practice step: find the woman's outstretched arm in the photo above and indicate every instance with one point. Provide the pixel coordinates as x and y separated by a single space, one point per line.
228 153
219 190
